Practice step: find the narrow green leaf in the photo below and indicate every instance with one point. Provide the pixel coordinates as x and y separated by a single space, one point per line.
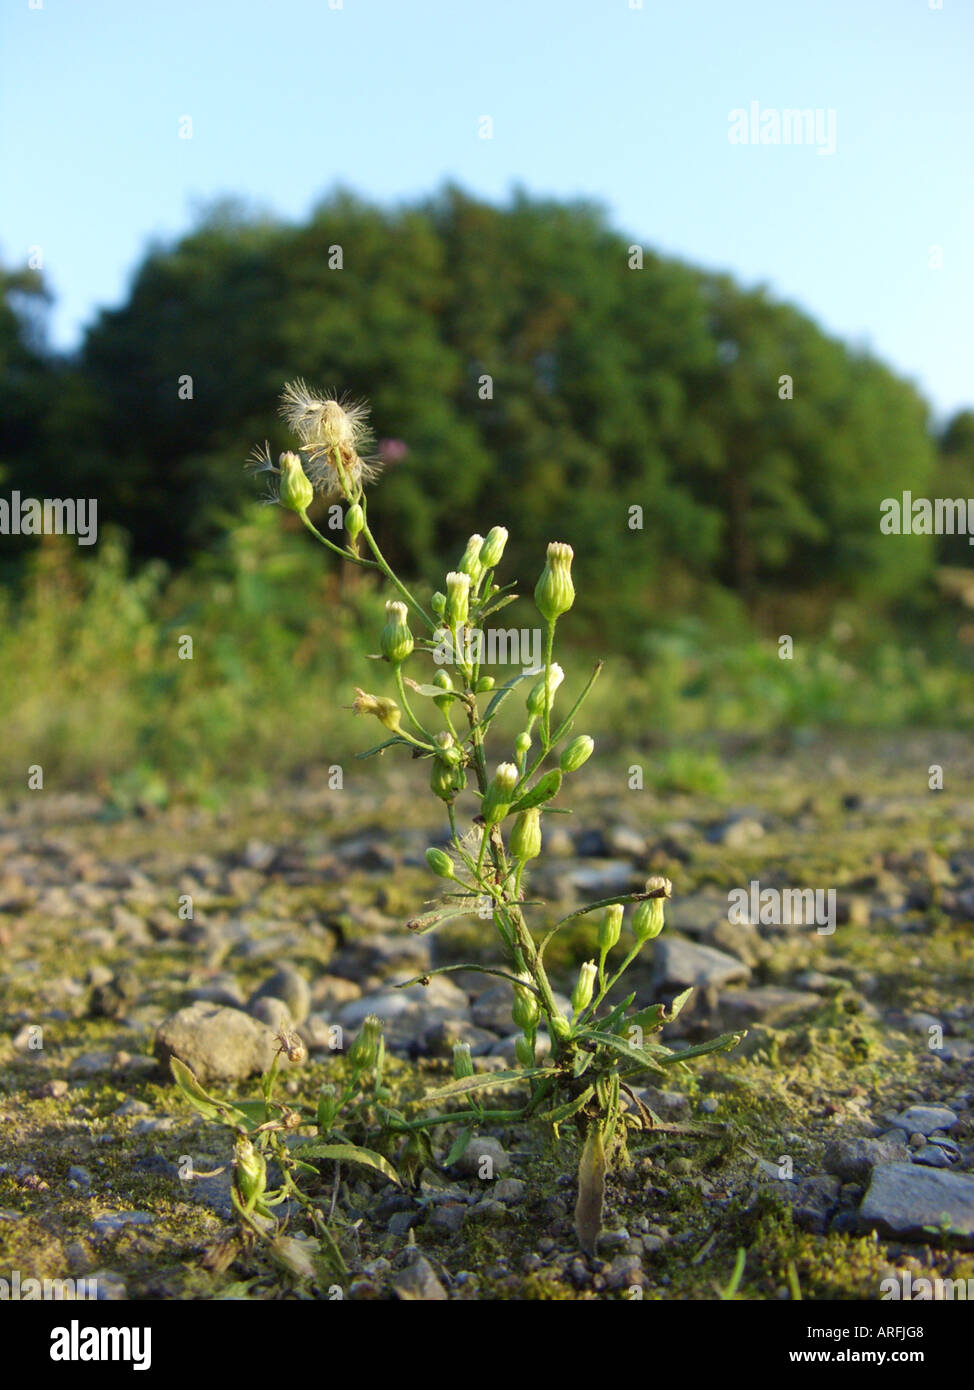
427 921
482 1083
501 695
201 1100
458 1146
380 746
657 1015
637 1055
350 1153
542 791
561 1113
591 1190
722 1044
464 965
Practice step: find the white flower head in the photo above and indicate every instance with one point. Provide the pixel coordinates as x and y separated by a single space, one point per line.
334 433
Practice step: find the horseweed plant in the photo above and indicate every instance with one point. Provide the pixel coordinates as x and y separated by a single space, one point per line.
598 1050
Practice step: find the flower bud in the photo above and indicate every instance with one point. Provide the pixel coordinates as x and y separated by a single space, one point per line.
524 1051
364 1051
442 679
446 749
560 1027
554 592
354 521
440 862
438 603
327 1108
397 641
470 562
584 986
484 684
296 492
575 753
525 1010
522 745
462 1061
526 835
493 547
536 700
647 920
457 598
249 1171
497 799
386 711
610 928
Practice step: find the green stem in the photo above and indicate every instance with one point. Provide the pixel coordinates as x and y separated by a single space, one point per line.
344 554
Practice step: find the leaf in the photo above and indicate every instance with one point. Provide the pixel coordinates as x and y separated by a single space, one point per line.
541 792
609 1024
427 921
722 1044
464 965
591 1190
434 691
199 1099
350 1153
657 1015
380 746
637 1055
496 607
458 1147
482 1083
561 1113
501 695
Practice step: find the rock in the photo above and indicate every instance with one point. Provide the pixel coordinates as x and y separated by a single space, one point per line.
115 998
924 1119
815 1202
932 1156
764 1004
290 986
113 1222
740 833
378 956
50 1090
217 1044
441 1037
624 1272
905 1198
273 1013
448 1217
625 842
316 1032
600 880
330 992
678 964
510 1191
663 1103
484 1157
853 1160
418 1282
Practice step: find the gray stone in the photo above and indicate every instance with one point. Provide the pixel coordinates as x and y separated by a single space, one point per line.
510 1191
217 1044
905 1198
113 1222
418 1281
765 1004
448 1217
741 833
290 986
624 1272
599 880
853 1160
273 1013
924 1119
483 1147
678 964
932 1156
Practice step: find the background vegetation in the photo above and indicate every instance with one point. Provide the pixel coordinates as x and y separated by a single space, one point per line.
612 388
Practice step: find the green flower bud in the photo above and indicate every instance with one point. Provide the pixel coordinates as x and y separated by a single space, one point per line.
560 1027
462 1061
442 679
296 492
438 603
497 799
249 1171
447 777
524 1051
554 592
610 928
354 521
526 835
522 744
647 920
584 986
327 1108
470 562
575 753
525 1010
493 547
364 1051
386 711
536 698
484 684
446 748
396 641
440 862
457 598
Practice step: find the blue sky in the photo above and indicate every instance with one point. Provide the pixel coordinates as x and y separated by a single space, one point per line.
598 98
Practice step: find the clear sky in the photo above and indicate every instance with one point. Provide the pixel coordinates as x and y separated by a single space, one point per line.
626 103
